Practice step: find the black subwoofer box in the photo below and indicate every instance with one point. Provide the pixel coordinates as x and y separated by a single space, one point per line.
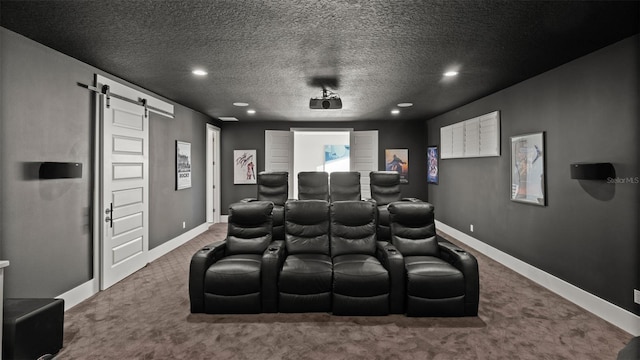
32 328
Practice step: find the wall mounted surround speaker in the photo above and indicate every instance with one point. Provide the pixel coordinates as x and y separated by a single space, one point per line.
592 171
60 170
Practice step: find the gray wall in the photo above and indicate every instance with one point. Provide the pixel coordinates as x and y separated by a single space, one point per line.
46 226
168 208
391 134
588 233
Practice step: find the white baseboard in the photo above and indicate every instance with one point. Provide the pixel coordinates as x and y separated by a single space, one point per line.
168 246
614 314
82 292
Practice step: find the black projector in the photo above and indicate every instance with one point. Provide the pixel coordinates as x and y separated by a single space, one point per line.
330 104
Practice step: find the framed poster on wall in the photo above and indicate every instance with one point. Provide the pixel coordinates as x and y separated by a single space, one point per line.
244 167
528 169
183 165
432 165
398 160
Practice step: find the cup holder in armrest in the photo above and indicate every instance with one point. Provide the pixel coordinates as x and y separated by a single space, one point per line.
460 251
273 248
205 249
392 251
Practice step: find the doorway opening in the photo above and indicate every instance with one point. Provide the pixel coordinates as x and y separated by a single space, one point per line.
320 150
213 174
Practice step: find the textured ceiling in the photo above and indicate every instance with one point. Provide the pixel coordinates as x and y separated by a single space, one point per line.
277 54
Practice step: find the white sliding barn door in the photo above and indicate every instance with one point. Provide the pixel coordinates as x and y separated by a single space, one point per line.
121 231
364 157
278 153
125 189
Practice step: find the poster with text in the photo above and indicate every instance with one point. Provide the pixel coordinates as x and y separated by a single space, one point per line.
244 166
183 165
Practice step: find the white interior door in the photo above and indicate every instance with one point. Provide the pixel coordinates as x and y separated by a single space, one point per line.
278 153
364 157
125 189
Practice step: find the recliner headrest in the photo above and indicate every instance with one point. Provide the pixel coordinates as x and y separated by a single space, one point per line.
313 185
385 178
273 186
411 213
385 187
353 213
345 185
306 212
250 213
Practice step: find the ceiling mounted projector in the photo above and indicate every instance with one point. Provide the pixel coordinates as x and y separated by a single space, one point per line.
329 100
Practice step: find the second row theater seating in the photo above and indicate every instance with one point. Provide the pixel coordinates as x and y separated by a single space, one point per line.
339 186
331 261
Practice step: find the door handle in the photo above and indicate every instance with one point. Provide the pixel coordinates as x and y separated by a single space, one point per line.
109 212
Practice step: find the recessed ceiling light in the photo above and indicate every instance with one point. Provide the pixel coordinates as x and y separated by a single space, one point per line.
251 111
228 118
405 104
240 104
450 73
395 112
199 72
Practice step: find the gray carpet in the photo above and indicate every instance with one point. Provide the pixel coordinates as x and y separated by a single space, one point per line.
146 316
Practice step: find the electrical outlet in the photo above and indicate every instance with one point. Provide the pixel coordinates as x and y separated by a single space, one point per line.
636 296
184 224
471 227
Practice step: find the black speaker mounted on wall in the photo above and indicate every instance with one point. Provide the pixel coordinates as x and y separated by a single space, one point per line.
60 170
592 171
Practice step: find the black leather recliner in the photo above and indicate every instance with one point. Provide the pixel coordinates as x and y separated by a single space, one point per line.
313 185
240 274
344 185
305 281
361 283
385 189
441 278
274 187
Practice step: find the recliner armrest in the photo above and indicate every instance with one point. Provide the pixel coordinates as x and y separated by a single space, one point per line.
272 260
411 199
246 200
468 265
200 262
393 261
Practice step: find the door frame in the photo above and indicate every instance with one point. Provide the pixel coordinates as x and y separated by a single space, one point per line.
213 174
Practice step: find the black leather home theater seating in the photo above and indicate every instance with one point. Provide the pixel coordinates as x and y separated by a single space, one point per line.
332 259
305 283
274 187
238 275
442 279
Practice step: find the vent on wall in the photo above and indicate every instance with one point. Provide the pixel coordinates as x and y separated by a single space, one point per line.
592 171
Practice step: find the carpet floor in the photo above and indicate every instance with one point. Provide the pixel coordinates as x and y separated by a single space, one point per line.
146 316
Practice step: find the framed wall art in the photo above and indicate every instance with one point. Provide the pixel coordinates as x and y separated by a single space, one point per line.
432 165
244 167
528 169
398 160
183 165
336 158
